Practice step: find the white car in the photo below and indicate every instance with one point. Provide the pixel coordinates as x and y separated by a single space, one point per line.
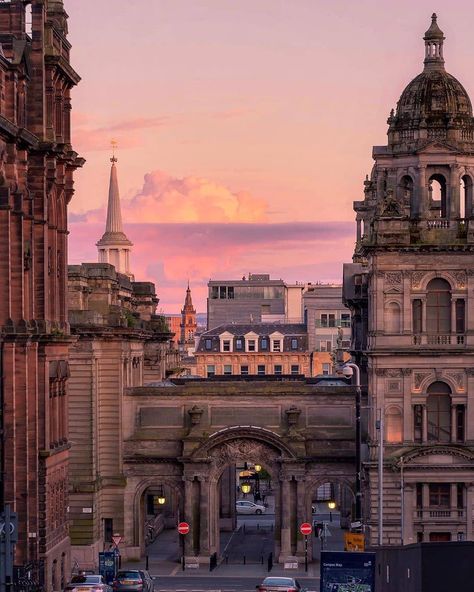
245 507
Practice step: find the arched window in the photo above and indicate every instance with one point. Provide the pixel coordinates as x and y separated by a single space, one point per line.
438 406
392 318
438 306
417 307
437 190
465 205
393 425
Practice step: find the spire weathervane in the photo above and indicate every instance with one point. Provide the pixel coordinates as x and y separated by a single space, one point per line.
114 145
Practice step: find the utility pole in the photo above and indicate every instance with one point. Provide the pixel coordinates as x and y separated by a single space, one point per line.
402 501
380 428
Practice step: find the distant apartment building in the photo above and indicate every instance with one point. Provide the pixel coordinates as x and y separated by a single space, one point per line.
324 314
254 349
256 299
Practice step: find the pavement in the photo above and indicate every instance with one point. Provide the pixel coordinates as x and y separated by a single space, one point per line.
240 568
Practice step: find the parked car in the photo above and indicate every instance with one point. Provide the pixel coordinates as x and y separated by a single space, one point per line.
275 584
245 507
87 583
133 580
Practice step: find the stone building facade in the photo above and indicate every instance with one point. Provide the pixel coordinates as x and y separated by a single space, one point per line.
37 163
257 349
120 343
414 268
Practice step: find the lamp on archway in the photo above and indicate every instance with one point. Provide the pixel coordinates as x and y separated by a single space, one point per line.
161 499
257 468
332 505
246 487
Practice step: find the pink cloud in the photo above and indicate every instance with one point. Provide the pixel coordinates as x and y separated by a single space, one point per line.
164 198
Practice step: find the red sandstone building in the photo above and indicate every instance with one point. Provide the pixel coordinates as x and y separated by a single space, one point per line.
36 184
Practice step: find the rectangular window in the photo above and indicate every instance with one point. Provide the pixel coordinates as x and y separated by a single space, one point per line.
277 369
214 292
460 422
227 369
332 320
264 343
419 495
346 344
239 344
261 369
208 344
345 320
222 292
294 343
211 370
230 292
325 346
324 320
251 346
418 423
417 316
276 345
440 495
244 370
295 369
226 345
460 315
326 369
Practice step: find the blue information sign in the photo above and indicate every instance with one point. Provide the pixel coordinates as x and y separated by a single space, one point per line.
347 572
107 563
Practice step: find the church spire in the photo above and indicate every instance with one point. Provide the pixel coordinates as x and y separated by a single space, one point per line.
114 246
434 38
188 301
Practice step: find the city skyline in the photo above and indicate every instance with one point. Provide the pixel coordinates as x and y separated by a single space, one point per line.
227 134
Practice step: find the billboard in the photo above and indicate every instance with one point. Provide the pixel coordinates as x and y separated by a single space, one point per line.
347 572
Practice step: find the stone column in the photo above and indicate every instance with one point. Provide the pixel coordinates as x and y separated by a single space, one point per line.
204 512
453 423
469 504
454 501
189 550
285 536
301 513
423 195
408 514
425 424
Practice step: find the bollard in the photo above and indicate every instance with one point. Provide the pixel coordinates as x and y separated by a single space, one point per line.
245 560
146 561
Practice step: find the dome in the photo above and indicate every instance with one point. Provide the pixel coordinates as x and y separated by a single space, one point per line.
434 94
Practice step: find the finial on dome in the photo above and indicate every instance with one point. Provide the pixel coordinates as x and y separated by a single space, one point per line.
114 145
434 38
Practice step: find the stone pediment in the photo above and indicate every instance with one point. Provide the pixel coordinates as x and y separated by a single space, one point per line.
437 456
436 147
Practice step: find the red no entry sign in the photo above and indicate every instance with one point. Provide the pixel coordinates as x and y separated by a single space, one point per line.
306 528
183 528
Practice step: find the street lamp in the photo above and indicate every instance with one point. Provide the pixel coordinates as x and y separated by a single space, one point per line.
348 370
332 505
257 468
161 497
246 487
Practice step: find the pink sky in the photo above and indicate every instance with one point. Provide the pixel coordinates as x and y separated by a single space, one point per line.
245 128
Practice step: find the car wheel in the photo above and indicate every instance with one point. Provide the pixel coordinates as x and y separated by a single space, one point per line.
258 512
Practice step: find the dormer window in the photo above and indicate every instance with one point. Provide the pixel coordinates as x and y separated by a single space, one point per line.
264 343
251 346
208 344
276 345
239 344
226 345
294 343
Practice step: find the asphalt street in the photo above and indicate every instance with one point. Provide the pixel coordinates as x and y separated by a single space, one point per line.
220 584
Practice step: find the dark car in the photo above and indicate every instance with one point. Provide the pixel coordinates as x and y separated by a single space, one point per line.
275 584
133 580
87 583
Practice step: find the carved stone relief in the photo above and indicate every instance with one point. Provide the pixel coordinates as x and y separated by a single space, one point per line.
416 278
419 377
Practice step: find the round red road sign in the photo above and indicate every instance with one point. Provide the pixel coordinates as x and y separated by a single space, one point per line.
306 528
183 528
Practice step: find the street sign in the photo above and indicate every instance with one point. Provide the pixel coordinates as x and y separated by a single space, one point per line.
117 539
306 528
347 571
354 541
183 528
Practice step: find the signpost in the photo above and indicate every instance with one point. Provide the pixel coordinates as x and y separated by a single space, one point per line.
354 541
107 566
306 529
183 529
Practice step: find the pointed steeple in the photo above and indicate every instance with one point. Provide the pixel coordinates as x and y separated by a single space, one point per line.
114 246
188 302
188 323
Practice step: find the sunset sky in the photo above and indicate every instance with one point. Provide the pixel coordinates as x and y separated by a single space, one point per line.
245 127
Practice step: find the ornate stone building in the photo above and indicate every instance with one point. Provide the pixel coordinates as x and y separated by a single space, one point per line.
414 267
188 324
36 184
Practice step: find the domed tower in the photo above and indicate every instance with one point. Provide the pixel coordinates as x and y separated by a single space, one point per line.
415 241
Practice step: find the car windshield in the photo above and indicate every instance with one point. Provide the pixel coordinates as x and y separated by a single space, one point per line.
278 582
129 575
86 580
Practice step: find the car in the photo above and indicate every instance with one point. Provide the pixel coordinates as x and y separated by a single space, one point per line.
133 580
87 583
245 507
277 584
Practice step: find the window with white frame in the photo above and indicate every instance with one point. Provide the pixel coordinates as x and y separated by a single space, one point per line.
251 345
226 345
326 369
295 369
227 369
276 345
277 369
211 370
244 370
261 369
325 345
